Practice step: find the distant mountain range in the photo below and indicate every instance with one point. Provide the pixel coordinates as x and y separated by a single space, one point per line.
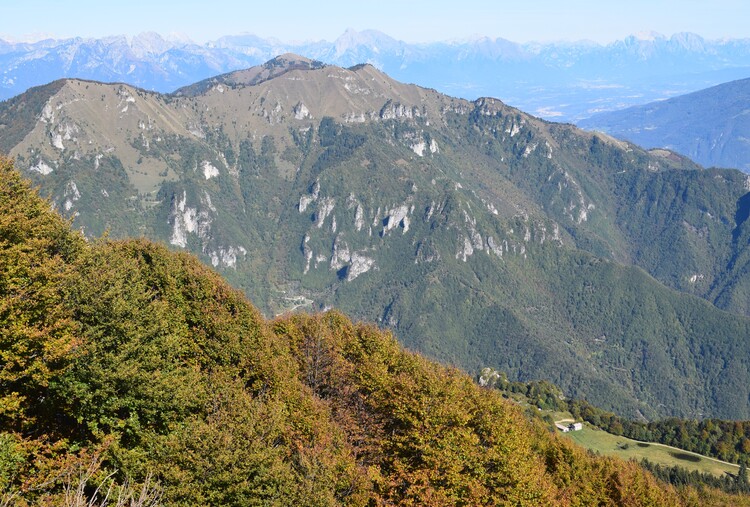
711 126
562 81
482 235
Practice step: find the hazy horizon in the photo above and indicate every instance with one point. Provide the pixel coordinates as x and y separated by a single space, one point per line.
417 21
183 37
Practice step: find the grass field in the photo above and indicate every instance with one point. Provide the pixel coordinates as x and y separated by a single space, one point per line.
612 445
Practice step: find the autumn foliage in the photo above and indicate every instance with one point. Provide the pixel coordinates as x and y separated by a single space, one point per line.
129 371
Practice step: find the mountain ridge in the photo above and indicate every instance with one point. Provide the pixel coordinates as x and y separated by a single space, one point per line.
477 232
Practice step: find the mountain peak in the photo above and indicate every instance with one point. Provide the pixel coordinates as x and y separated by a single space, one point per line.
352 37
647 36
149 44
689 41
291 61
273 68
352 41
281 65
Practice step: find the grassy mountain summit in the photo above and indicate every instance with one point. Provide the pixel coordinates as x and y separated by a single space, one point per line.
482 235
132 369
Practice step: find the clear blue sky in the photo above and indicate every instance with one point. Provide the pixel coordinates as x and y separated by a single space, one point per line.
412 21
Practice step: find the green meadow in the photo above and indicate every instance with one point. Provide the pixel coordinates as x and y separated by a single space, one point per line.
611 445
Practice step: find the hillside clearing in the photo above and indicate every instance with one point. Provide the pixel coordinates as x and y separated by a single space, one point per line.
626 448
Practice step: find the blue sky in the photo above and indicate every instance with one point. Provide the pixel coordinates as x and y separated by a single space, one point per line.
412 21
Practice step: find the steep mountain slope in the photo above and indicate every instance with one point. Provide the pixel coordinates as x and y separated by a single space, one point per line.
166 387
711 126
484 236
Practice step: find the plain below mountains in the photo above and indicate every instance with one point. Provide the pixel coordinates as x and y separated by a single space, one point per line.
710 126
483 236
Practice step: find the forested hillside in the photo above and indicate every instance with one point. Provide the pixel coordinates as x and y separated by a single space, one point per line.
138 371
481 235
